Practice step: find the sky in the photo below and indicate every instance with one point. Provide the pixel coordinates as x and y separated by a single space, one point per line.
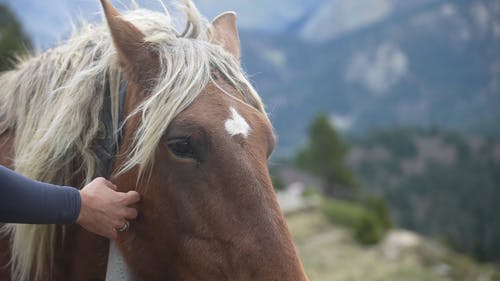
49 21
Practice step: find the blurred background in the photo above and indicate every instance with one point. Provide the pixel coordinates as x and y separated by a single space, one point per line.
388 118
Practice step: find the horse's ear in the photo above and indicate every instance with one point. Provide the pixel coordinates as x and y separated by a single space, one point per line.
223 31
138 60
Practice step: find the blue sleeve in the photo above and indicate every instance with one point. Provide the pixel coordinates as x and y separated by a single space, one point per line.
23 200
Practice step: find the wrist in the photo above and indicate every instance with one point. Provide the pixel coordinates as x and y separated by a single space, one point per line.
81 210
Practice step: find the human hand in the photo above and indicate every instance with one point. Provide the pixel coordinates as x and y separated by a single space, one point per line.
105 210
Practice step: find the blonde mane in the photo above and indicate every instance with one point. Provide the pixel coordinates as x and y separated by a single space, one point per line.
52 103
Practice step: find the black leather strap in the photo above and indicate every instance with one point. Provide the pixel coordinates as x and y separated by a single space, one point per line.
106 147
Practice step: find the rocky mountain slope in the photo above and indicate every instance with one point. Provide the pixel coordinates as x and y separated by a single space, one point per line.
433 64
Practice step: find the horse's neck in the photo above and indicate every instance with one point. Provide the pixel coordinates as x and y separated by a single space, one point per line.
4 257
6 153
6 148
83 255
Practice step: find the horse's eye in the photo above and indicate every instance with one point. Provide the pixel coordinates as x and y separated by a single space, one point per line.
181 148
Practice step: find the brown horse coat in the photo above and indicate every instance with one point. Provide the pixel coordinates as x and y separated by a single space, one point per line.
208 209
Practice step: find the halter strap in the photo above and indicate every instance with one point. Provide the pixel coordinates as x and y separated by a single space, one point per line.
107 146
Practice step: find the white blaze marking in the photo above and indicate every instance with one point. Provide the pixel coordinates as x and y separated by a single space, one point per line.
117 269
237 124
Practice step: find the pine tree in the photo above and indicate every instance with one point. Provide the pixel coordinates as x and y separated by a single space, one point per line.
325 155
13 41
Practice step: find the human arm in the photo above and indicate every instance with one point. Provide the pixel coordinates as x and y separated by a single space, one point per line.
23 200
96 207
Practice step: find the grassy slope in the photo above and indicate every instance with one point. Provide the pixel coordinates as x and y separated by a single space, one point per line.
329 252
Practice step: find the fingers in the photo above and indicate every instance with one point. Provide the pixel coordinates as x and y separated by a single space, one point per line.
131 197
130 213
104 210
119 223
111 234
106 231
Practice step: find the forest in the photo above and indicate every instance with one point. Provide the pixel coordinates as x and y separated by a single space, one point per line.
439 183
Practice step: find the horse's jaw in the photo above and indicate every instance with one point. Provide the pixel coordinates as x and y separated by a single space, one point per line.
117 268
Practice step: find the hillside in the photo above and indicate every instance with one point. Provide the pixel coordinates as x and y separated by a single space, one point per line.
329 252
434 64
442 184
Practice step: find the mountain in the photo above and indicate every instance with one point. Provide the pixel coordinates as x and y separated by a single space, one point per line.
367 64
430 64
334 18
338 17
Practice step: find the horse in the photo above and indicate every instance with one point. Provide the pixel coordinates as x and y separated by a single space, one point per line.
170 114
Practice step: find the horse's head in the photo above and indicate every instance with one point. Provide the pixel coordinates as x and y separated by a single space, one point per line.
208 208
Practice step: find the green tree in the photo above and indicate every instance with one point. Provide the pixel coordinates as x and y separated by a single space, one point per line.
278 183
325 154
12 38
378 207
